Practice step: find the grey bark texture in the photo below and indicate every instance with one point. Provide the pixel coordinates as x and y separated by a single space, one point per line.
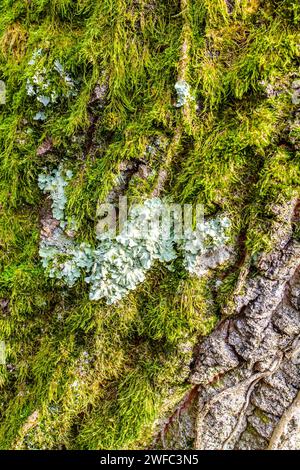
246 374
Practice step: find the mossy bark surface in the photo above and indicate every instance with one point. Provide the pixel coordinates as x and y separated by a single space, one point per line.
91 85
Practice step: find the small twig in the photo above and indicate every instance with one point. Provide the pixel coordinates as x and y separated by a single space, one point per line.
235 430
250 383
283 422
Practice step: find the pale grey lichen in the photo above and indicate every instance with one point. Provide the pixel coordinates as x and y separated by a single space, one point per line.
65 259
55 183
121 264
35 55
40 116
48 85
45 100
183 91
2 92
209 235
117 265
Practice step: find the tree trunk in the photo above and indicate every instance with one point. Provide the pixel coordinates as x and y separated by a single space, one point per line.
246 372
157 343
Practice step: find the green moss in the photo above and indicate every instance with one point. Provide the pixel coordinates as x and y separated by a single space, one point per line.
233 149
262 416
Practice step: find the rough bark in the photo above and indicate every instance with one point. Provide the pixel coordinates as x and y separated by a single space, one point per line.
247 372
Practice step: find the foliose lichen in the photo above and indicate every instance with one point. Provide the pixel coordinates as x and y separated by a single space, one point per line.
48 86
65 259
121 264
55 183
118 264
183 91
209 235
